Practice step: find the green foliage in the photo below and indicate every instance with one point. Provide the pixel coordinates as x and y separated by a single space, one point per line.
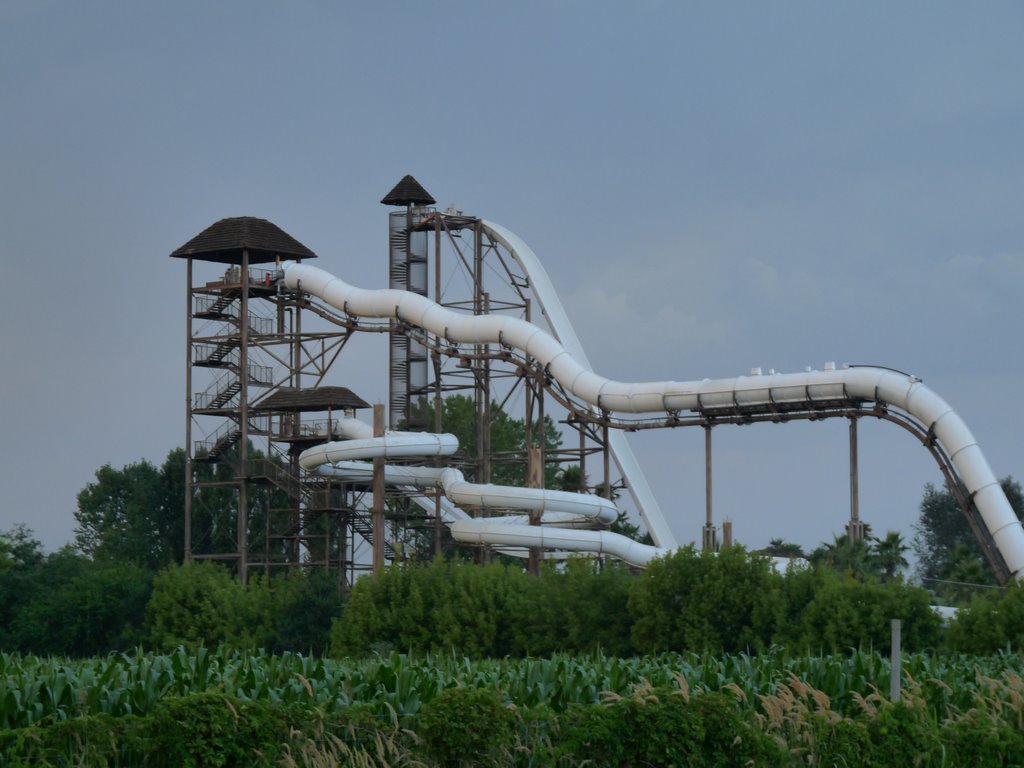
946 549
466 727
904 734
303 605
493 610
136 514
992 622
97 740
67 604
131 514
507 437
201 603
19 549
666 726
437 607
595 606
701 600
214 729
869 557
225 708
979 740
845 613
689 601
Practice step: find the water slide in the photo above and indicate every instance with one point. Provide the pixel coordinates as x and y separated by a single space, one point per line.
561 511
565 363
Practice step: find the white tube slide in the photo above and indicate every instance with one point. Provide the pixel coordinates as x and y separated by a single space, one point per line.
451 481
511 535
560 508
794 390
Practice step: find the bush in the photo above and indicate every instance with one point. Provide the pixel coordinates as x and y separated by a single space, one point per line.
847 613
466 726
96 740
440 607
903 734
213 729
70 605
303 605
991 622
704 601
201 603
665 727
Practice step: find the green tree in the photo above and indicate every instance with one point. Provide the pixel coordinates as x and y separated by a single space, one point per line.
134 514
991 622
20 557
888 555
965 576
595 597
779 547
847 612
19 548
80 607
696 600
571 478
847 555
869 557
943 536
65 603
303 606
508 439
201 603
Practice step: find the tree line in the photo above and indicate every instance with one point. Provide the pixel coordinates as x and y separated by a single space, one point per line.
730 601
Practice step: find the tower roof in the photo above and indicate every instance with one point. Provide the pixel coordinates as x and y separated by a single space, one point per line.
225 240
408 192
317 399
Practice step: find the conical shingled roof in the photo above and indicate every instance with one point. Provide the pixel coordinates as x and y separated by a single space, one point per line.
225 240
408 192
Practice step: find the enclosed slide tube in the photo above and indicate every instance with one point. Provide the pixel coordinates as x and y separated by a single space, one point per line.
560 508
880 385
346 458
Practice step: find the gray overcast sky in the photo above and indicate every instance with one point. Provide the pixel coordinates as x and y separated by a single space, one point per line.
711 186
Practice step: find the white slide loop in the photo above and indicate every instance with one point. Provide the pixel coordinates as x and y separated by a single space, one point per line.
809 389
569 507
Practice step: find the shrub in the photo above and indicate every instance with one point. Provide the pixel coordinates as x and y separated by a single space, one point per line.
704 601
466 726
848 613
201 603
213 729
665 727
990 623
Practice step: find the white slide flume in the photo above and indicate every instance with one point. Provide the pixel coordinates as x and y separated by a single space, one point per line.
559 508
867 384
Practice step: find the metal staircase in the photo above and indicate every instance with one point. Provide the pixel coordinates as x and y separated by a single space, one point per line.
214 308
315 495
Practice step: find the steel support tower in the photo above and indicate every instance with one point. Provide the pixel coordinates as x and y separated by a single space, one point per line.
253 373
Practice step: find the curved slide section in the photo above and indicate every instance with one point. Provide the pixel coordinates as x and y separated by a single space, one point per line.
800 389
560 508
485 495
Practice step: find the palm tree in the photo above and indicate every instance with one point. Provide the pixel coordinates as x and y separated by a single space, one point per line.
888 554
843 554
572 479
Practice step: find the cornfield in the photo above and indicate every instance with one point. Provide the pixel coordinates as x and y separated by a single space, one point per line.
41 690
